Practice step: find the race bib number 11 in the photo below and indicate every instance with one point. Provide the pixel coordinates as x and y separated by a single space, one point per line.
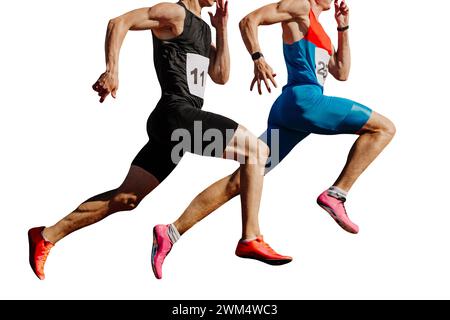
196 73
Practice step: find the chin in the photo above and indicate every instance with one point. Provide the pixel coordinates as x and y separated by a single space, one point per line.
326 5
207 3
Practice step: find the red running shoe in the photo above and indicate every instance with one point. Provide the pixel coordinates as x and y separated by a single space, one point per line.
259 250
39 250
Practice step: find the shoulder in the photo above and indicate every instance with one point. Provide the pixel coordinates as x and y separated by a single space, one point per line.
295 7
168 11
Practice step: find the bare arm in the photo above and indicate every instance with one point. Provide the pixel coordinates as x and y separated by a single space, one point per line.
340 61
219 66
283 11
163 17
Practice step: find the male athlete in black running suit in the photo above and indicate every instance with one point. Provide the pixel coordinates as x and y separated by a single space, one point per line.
183 54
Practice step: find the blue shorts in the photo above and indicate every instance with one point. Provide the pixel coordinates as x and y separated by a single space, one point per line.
301 110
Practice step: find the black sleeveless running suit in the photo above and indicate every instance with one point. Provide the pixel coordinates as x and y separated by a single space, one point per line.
182 66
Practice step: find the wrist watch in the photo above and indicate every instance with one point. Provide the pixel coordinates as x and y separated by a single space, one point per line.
341 29
257 55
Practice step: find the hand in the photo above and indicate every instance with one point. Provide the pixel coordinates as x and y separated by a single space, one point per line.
220 19
263 72
341 13
106 84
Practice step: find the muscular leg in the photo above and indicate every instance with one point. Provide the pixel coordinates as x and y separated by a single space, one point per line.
374 137
248 179
208 201
229 187
252 153
134 188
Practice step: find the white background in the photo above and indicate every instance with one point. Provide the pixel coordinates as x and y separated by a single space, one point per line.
60 146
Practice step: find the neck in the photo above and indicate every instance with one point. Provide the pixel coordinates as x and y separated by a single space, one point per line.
194 6
317 10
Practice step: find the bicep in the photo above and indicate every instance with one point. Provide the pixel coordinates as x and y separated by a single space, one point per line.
270 14
138 19
282 11
158 16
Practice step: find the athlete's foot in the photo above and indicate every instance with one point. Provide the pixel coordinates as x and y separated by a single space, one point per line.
39 250
161 248
259 250
335 207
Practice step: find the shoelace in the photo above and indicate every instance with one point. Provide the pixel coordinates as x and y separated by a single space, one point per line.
44 254
345 210
342 199
266 245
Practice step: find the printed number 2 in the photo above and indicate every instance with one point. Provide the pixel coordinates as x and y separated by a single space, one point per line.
195 74
323 69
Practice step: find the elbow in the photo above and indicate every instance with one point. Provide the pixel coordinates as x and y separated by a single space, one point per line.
225 77
343 74
220 75
342 77
224 80
221 79
114 23
245 23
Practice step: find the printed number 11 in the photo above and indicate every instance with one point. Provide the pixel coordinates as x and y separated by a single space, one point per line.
195 74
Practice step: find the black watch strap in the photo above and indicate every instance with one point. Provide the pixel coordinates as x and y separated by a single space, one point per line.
257 55
341 29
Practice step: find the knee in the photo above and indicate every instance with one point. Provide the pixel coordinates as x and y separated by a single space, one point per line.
388 129
124 201
259 153
264 151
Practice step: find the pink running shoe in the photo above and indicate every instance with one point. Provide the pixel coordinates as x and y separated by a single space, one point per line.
161 248
335 207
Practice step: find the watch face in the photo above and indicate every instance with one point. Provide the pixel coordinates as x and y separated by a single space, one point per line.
256 55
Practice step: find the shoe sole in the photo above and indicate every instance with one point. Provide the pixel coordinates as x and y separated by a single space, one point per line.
270 262
31 257
30 252
334 216
154 250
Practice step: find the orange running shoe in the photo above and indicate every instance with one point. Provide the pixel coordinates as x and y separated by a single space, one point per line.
259 250
39 250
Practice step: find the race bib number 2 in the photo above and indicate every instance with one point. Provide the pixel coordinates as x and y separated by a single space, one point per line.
196 73
322 59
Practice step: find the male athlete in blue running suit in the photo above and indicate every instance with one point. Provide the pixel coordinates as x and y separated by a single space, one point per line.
302 108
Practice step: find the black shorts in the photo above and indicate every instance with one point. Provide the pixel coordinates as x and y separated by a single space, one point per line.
176 126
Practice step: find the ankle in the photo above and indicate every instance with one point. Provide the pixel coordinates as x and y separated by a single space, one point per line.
250 236
337 193
173 233
46 234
